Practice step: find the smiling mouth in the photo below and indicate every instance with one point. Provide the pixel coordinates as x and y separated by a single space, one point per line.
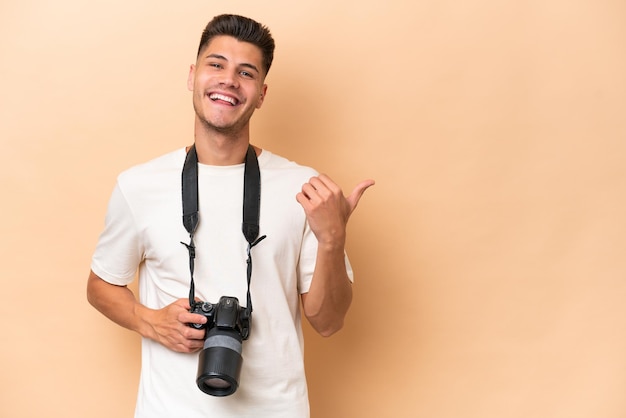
222 98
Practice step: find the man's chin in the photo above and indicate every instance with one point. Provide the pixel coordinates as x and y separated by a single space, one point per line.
224 126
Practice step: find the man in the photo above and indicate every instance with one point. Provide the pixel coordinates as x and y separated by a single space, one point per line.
302 214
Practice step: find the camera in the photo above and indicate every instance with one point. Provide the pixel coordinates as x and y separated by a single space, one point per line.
220 360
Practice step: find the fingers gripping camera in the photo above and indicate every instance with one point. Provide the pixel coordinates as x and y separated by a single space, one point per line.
219 365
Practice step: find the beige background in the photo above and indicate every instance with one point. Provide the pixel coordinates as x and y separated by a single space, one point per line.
489 256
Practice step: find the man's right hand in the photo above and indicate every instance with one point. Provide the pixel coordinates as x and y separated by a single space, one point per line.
168 325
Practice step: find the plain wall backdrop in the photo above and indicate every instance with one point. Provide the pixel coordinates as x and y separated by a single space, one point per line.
489 257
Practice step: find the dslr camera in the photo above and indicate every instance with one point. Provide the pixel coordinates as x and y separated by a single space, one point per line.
219 364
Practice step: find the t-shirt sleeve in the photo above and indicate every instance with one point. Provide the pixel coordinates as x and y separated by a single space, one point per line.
119 249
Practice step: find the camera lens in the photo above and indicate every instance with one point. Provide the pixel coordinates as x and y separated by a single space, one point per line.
216 384
220 361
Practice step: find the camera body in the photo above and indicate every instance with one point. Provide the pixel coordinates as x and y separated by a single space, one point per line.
226 314
219 365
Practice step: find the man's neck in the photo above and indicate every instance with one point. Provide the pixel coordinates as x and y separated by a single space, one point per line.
216 148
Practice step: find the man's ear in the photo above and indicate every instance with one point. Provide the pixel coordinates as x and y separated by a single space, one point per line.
191 78
262 96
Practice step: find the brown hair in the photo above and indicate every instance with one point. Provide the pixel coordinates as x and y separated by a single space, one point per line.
243 29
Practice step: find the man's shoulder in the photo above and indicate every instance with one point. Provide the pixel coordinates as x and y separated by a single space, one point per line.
151 170
281 165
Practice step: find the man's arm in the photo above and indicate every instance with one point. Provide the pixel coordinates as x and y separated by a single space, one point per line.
328 299
166 326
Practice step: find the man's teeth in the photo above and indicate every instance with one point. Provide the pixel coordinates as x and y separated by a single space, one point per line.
217 96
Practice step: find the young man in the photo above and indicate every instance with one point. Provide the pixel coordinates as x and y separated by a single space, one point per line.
302 214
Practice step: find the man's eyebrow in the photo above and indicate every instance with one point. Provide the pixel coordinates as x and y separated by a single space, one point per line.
244 64
218 56
251 66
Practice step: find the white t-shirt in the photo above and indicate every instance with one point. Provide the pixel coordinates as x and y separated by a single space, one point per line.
144 230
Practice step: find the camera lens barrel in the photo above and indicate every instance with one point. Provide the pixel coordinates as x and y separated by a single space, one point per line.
219 364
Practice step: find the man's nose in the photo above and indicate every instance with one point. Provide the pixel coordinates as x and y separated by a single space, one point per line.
228 78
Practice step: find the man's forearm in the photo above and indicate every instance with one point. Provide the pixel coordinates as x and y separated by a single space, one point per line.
330 295
118 303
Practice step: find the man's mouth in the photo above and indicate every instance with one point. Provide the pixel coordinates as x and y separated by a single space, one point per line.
223 98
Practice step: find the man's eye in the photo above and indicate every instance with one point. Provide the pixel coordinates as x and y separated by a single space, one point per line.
215 65
246 74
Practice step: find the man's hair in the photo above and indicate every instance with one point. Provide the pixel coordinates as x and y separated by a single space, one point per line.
244 30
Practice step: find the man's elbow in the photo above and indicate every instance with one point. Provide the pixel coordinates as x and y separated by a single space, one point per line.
330 330
326 316
95 290
91 298
325 326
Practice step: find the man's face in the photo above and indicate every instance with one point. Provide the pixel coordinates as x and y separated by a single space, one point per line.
227 84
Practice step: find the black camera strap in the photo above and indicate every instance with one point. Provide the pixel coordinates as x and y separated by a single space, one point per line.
251 211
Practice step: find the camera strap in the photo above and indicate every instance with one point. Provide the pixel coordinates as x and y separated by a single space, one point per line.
251 211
